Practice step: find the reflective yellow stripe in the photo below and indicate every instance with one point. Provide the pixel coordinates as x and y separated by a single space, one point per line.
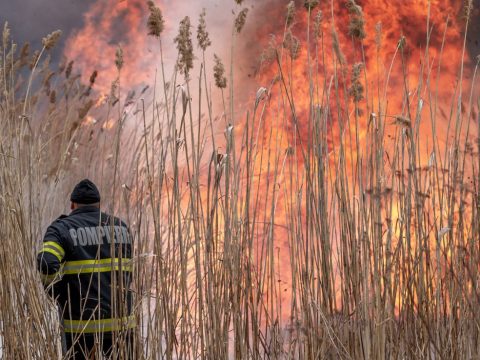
53 252
102 265
97 261
54 249
103 325
52 244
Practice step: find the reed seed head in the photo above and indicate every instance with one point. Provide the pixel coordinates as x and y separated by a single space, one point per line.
202 33
467 9
69 69
356 90
119 58
290 18
113 92
354 8
34 59
356 27
184 46
5 35
240 20
93 77
402 42
292 44
155 22
270 52
24 51
83 110
317 23
51 40
310 4
219 73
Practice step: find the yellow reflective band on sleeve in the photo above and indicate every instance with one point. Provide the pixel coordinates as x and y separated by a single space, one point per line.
56 246
97 326
53 252
97 266
54 249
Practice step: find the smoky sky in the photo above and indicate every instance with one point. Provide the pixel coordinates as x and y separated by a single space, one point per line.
31 20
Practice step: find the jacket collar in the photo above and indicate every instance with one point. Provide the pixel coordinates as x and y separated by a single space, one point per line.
85 209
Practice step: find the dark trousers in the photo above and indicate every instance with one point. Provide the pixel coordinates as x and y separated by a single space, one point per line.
89 346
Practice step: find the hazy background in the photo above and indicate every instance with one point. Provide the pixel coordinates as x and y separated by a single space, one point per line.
30 20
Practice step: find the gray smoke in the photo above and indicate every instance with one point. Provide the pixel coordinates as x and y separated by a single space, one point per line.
31 20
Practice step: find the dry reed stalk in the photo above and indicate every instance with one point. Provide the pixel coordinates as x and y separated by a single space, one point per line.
382 249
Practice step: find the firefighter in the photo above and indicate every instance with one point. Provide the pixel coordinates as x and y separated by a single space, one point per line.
85 264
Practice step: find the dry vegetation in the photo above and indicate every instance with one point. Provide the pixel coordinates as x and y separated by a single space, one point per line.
382 255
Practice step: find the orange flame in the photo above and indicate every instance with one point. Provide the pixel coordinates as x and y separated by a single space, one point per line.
94 46
386 57
379 51
107 25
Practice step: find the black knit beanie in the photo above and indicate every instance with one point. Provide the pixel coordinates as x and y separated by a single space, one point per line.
85 192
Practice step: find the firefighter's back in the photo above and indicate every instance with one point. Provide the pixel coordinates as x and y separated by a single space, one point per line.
91 282
97 265
85 262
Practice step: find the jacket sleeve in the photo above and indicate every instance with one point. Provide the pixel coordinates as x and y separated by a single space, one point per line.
51 255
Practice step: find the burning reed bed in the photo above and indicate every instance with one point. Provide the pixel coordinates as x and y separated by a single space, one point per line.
320 224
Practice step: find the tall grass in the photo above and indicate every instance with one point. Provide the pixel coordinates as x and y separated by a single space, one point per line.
314 232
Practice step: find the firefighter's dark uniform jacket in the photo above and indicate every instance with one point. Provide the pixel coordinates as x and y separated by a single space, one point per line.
85 261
